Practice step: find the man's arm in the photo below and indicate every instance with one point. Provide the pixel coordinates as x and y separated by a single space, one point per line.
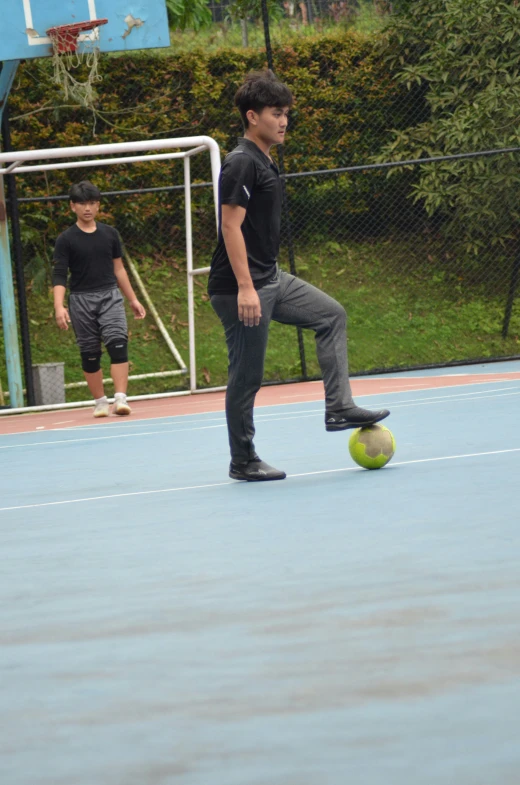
249 308
62 314
126 287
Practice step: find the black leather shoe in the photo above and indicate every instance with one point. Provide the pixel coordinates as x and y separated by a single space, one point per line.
353 418
255 471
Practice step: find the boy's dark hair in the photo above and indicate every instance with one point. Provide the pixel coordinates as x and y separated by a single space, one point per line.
261 89
85 191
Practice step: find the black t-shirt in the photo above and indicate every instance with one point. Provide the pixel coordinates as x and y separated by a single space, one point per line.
89 256
251 180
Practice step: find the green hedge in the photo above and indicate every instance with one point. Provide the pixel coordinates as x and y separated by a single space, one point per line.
346 105
346 101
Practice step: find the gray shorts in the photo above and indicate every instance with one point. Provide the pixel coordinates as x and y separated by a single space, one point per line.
98 317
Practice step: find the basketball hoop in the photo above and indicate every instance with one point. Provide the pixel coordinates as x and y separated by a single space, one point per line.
68 56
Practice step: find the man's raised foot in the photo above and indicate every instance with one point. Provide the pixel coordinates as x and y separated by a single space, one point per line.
255 471
355 417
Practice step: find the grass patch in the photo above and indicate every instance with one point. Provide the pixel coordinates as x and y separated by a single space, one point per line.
404 309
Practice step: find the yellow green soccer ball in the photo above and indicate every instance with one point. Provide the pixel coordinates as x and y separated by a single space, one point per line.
372 447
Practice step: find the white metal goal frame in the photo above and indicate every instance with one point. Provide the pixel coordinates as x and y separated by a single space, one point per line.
19 162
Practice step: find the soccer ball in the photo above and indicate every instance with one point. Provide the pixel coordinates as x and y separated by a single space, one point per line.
372 447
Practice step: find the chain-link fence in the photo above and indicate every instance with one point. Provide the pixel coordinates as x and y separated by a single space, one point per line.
425 256
415 295
415 292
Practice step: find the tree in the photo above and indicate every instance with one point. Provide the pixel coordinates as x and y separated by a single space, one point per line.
192 14
466 56
243 10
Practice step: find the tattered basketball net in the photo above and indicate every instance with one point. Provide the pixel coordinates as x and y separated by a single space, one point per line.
67 56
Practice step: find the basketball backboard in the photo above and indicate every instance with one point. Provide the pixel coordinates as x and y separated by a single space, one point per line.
132 24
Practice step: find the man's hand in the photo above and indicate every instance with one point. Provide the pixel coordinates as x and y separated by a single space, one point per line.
62 318
138 309
249 308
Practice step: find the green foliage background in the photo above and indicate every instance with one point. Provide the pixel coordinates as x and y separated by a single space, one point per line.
346 100
464 55
406 270
346 103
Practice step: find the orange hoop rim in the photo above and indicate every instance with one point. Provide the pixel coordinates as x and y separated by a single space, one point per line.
65 37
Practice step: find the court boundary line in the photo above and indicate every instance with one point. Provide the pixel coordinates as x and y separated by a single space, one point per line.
234 482
272 418
260 414
288 403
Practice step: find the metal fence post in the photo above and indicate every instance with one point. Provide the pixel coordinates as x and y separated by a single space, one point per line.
281 166
513 284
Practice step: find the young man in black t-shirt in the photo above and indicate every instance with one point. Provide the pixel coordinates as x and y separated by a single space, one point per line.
91 252
247 289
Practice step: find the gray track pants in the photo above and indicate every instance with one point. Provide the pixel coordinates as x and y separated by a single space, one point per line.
288 300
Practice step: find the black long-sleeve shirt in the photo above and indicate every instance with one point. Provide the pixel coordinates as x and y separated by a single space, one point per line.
88 256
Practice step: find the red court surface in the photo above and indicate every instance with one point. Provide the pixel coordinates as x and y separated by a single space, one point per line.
268 396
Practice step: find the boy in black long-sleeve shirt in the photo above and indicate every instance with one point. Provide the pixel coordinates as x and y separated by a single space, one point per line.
91 252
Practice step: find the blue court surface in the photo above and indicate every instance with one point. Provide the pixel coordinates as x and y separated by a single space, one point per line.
161 623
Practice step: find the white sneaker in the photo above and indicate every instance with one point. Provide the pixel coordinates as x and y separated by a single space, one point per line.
101 409
121 406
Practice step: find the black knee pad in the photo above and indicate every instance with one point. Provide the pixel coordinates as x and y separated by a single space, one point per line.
118 351
91 361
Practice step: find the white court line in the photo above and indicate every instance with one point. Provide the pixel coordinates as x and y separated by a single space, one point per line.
418 402
451 376
411 386
104 438
259 414
443 376
233 482
298 395
260 406
465 395
177 418
164 431
267 418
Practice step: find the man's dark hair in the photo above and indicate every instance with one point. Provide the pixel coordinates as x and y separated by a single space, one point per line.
85 191
261 89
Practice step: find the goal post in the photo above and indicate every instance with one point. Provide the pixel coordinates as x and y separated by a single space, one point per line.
43 160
